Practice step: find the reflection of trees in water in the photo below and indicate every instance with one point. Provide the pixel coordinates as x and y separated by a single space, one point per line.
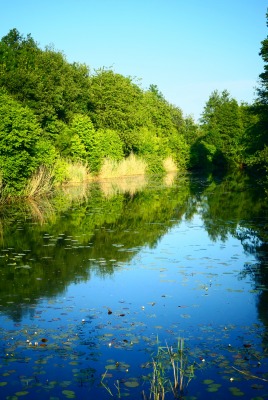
235 205
255 243
41 256
47 246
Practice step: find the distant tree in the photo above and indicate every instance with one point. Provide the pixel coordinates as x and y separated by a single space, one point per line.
263 89
111 144
154 89
260 132
191 131
222 128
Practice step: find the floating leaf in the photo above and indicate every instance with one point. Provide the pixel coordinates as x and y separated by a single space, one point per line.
236 391
131 383
70 394
110 366
208 381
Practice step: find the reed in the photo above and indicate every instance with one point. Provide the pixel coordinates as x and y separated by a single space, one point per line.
130 166
159 381
177 361
40 183
103 384
77 172
170 165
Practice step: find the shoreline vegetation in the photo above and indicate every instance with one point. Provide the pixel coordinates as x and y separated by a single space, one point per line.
42 182
61 123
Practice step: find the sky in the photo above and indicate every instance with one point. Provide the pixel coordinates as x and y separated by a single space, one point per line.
188 48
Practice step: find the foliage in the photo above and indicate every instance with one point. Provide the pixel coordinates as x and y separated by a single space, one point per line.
42 80
180 150
258 146
19 133
91 118
114 101
222 128
85 144
111 144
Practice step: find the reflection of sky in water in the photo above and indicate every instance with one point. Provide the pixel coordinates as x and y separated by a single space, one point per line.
186 285
190 279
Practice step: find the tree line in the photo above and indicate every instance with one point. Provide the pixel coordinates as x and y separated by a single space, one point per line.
54 113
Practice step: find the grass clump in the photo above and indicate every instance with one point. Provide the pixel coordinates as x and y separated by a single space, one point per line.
40 183
170 362
170 165
130 166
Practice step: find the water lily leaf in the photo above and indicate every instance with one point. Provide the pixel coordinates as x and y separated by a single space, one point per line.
236 391
110 366
208 381
132 383
70 394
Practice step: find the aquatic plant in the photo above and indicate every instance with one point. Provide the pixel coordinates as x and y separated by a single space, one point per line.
183 372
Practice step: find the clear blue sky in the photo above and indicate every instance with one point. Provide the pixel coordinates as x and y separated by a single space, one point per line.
188 48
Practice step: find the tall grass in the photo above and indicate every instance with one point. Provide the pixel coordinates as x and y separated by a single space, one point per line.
40 183
44 180
170 165
130 166
66 172
77 172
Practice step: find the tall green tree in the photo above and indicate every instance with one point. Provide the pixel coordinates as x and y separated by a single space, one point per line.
260 132
116 104
222 128
43 80
85 144
19 135
115 101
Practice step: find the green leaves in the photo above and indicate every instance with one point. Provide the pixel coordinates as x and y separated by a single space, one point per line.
222 126
19 133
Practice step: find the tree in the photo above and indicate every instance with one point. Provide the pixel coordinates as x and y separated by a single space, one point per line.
85 145
19 135
43 80
115 101
263 89
222 128
260 131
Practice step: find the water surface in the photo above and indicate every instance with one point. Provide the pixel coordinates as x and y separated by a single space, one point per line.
99 283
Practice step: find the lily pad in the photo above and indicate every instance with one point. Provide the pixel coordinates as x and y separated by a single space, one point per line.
70 394
132 383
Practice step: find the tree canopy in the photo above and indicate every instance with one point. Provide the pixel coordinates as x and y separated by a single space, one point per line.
54 112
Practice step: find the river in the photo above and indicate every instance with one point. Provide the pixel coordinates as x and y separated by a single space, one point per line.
136 288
